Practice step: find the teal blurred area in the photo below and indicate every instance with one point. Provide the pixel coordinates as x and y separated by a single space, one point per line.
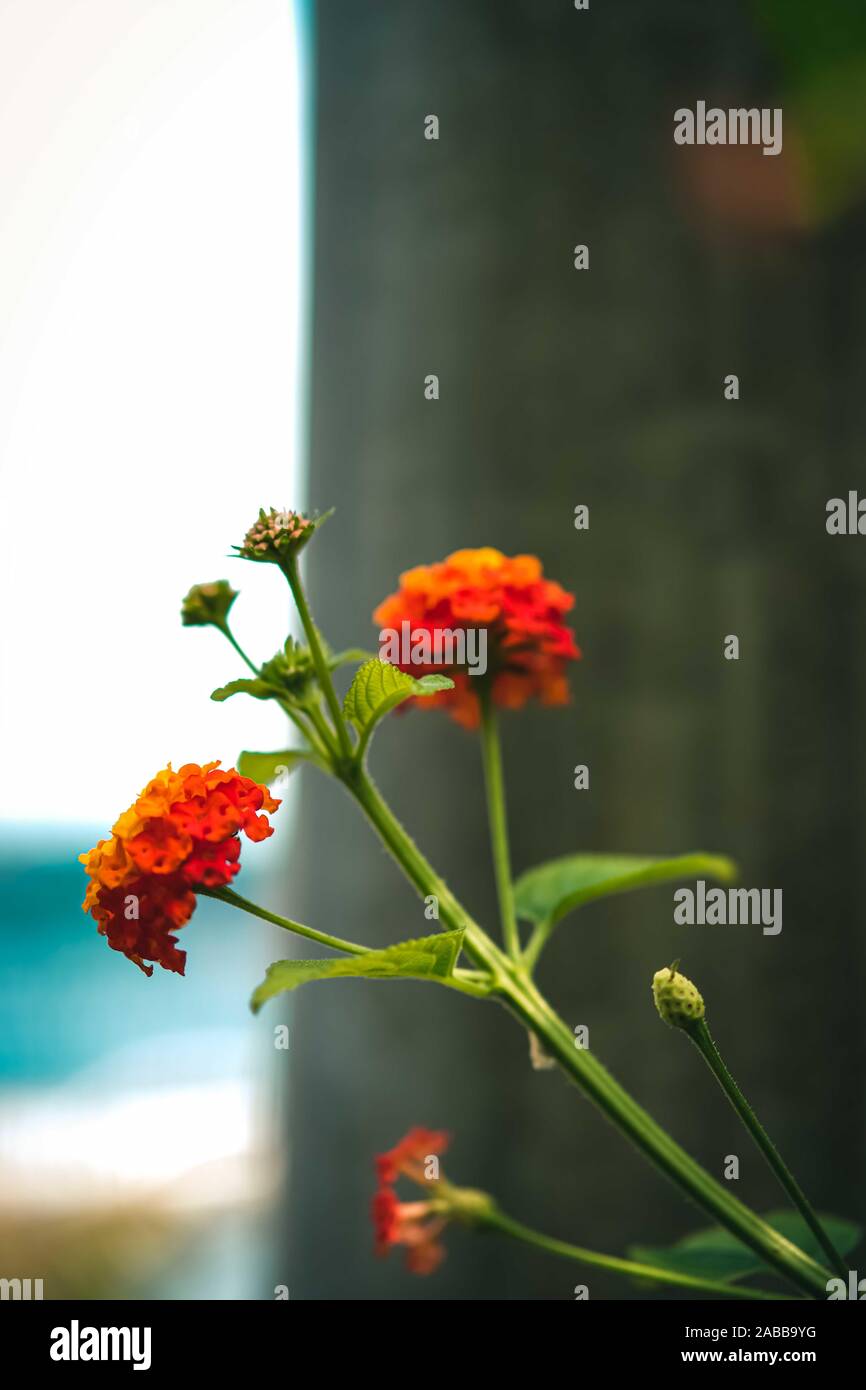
136 1152
86 995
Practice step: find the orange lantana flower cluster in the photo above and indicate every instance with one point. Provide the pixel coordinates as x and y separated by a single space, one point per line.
182 833
417 1225
528 645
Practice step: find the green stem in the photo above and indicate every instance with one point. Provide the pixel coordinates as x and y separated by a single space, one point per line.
498 1221
227 895
320 750
494 783
584 1069
536 943
466 982
420 873
293 575
521 997
701 1037
320 724
230 637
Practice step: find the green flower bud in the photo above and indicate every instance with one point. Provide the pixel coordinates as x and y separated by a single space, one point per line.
278 535
678 1001
465 1204
292 670
207 605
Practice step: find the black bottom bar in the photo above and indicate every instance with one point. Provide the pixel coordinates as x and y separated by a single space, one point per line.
161 1339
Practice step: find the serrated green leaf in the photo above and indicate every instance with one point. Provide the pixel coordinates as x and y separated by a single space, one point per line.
379 687
547 893
430 957
260 690
264 768
714 1253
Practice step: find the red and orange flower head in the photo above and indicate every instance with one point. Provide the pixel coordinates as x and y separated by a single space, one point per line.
182 833
415 1225
528 645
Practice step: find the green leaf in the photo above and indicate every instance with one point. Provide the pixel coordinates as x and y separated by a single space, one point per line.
547 893
379 687
260 690
348 657
716 1254
430 957
264 768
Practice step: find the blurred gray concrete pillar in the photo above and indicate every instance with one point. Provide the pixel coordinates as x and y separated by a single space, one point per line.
559 387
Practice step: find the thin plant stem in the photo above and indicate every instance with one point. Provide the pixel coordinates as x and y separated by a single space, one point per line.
498 1221
230 637
494 783
228 895
701 1037
320 724
293 575
321 750
294 716
538 939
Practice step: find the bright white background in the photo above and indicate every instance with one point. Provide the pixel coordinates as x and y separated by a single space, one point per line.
150 325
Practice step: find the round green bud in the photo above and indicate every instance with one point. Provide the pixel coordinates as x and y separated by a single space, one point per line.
467 1205
208 605
678 1001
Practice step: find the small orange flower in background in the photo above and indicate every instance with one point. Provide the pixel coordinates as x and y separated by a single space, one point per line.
528 645
182 833
416 1225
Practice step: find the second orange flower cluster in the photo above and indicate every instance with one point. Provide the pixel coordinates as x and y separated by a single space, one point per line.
529 646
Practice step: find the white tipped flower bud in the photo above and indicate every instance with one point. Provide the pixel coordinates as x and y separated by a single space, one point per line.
676 998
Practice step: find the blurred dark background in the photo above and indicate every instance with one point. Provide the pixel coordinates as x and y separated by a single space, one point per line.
707 517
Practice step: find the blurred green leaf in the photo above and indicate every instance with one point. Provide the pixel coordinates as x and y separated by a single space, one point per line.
547 893
266 767
715 1254
348 657
820 55
260 690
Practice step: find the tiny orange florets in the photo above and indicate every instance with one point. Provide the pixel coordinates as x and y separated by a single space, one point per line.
182 833
407 1158
528 644
415 1225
